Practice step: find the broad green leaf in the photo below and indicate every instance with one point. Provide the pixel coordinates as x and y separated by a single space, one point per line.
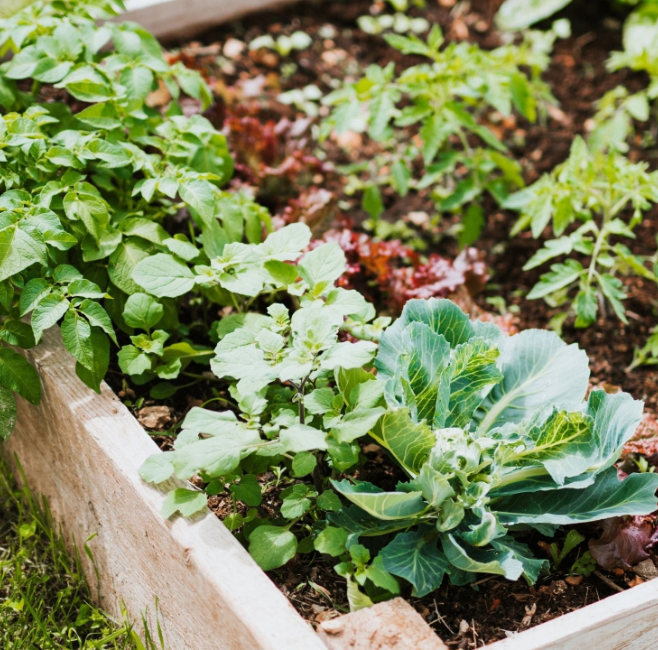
18 251
98 317
538 368
409 443
520 14
415 557
475 560
301 437
201 197
163 276
187 502
76 335
18 333
157 468
356 424
323 265
419 383
47 312
129 252
272 546
248 490
94 375
142 311
607 497
442 316
18 375
472 370
380 504
215 456
331 541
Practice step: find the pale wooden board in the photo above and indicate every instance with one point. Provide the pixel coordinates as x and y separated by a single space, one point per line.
169 19
82 451
626 621
391 625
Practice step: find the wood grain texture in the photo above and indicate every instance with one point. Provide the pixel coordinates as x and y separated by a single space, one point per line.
626 621
179 18
82 451
391 625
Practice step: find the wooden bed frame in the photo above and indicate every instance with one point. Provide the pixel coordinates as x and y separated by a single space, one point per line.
82 452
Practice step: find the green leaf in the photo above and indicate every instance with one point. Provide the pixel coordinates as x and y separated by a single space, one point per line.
128 253
248 490
372 201
18 333
559 277
356 424
17 374
419 382
163 276
7 413
520 14
613 290
442 316
157 468
142 311
301 437
415 557
607 497
98 317
93 376
272 546
409 443
380 504
201 197
47 312
76 336
475 560
303 464
216 456
18 251
323 265
187 502
538 368
331 541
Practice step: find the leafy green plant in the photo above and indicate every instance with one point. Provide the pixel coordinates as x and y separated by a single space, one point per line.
283 44
609 195
558 554
495 436
441 104
88 183
300 393
398 22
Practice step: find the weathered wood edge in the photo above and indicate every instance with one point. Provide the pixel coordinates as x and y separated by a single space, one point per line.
82 451
173 19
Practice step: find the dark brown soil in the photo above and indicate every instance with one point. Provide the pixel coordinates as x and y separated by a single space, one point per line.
465 617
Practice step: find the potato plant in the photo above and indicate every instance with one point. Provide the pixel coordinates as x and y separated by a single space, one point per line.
88 182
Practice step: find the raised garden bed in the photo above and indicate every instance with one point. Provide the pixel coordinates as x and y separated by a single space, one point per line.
209 592
82 451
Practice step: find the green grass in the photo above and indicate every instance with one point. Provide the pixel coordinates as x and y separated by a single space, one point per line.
44 598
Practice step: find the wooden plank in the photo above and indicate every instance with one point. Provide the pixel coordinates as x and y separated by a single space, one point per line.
391 625
173 19
625 621
82 451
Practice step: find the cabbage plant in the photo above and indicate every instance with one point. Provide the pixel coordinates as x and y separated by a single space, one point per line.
496 436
